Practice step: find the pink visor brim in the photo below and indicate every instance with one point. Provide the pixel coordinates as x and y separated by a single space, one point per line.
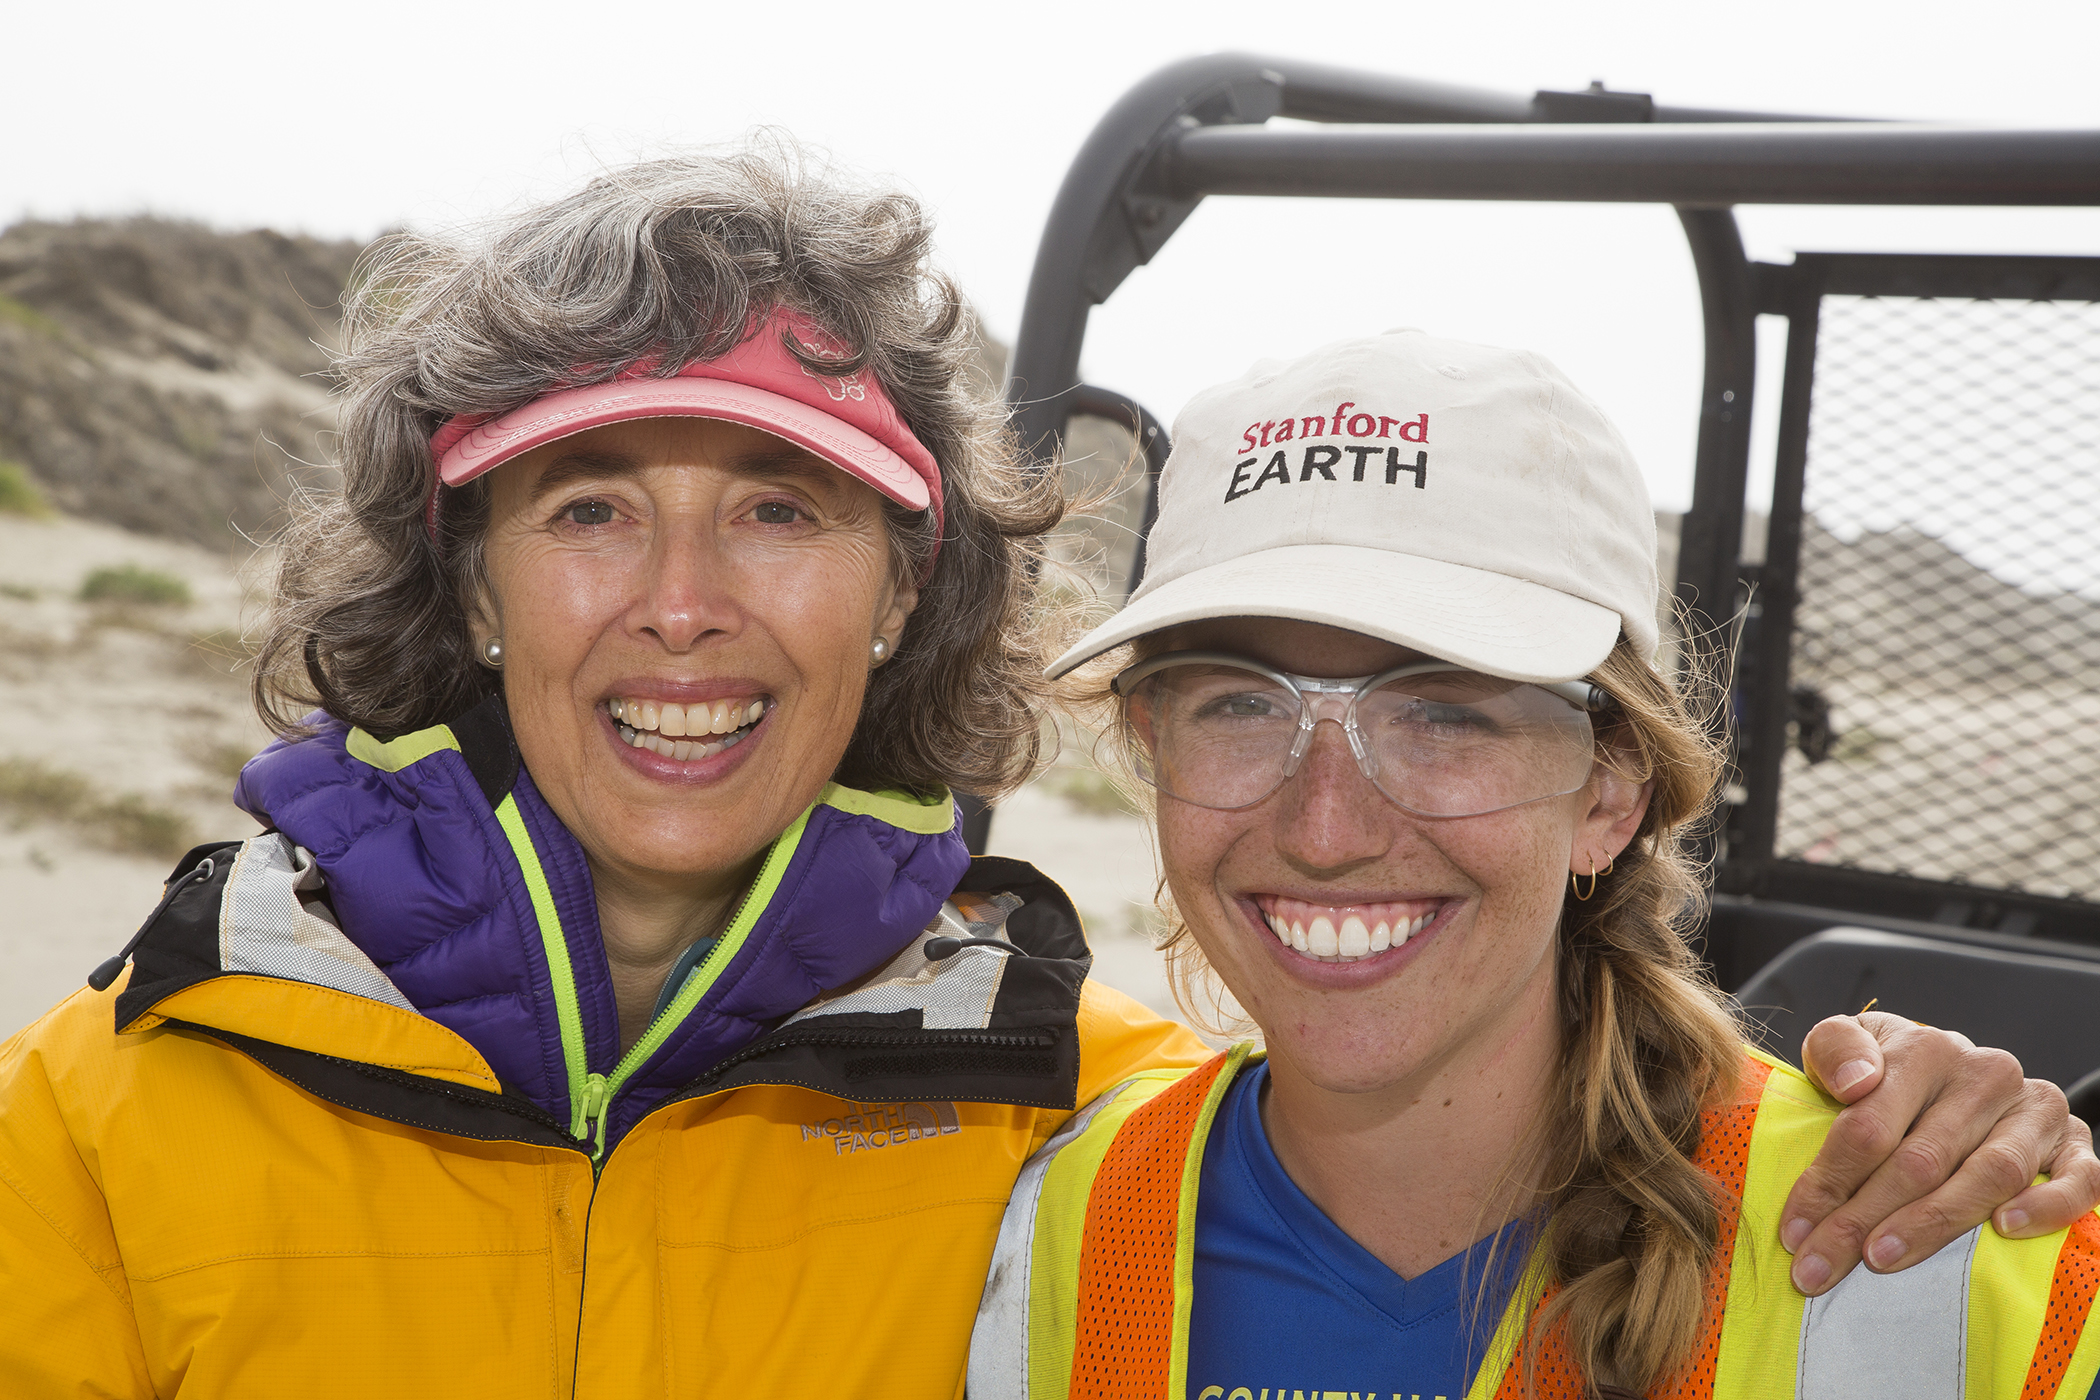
567 412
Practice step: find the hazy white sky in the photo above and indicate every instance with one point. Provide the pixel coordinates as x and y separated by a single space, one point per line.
344 119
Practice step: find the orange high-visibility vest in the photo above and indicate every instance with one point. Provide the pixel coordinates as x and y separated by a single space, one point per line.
1093 1277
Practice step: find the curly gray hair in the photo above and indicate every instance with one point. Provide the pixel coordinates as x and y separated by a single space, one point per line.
669 259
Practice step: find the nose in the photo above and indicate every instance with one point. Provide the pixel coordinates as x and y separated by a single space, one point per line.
688 592
1330 819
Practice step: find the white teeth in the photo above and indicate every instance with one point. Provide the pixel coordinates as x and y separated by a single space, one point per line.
1355 939
682 750
696 721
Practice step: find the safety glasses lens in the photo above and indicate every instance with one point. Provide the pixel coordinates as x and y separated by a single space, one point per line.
1446 745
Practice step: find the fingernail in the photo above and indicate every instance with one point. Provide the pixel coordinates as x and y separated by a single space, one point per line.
1793 1233
1811 1271
1886 1252
2011 1222
1849 1074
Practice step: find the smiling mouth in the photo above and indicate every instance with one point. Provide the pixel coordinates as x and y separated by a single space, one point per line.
1345 933
686 733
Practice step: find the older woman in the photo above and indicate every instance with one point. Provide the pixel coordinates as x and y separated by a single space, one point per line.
574 1027
1421 794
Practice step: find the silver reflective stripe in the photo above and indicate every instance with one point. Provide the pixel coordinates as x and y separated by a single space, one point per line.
265 927
999 1342
1891 1336
955 994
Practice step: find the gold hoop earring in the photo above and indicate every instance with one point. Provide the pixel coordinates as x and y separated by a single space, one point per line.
1574 885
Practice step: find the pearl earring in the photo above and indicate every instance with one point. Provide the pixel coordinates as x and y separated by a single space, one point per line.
492 653
879 649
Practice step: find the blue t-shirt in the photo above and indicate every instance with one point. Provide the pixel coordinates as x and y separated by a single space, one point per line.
1286 1305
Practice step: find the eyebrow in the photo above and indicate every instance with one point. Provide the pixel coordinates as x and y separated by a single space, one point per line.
581 463
585 463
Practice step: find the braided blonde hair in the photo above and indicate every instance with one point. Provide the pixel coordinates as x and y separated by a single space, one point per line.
1649 1042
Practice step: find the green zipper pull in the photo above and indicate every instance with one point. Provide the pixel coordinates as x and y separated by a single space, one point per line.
590 1107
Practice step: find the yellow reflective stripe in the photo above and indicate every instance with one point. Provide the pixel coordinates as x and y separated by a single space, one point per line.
1185 1217
925 816
2009 1284
567 1015
1060 1226
1509 1332
396 755
1761 1331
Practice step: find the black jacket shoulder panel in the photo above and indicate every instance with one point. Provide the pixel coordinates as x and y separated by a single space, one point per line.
180 946
490 749
1046 925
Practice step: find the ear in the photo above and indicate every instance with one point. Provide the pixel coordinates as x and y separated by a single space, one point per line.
484 618
1616 805
895 609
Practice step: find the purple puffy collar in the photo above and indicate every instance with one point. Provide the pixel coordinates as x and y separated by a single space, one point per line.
446 867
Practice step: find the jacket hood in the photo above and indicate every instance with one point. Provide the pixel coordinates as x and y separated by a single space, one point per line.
444 867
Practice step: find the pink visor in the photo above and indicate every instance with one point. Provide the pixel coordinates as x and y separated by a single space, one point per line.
846 419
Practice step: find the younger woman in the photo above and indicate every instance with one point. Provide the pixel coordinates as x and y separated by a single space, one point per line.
1506 1138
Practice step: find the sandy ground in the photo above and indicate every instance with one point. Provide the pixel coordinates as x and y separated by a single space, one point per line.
129 701
133 702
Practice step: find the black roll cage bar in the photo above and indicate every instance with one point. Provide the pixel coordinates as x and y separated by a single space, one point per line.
1197 128
1200 127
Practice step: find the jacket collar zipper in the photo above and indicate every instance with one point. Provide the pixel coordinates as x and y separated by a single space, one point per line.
592 1094
707 1083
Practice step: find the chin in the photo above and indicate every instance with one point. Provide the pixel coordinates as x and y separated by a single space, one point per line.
1342 1060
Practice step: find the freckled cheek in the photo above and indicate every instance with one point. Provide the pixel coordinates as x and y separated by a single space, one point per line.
1193 846
1520 873
1198 850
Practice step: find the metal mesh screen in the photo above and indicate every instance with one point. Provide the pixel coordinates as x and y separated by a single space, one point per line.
1946 652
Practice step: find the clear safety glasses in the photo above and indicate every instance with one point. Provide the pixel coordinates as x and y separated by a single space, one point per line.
1223 732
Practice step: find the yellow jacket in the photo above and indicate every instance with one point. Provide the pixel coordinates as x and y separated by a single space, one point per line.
178 1219
254 1169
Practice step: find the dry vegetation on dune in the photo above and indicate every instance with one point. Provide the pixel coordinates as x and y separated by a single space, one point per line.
160 384
161 375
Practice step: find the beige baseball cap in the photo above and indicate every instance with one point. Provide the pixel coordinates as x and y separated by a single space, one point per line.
1463 500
